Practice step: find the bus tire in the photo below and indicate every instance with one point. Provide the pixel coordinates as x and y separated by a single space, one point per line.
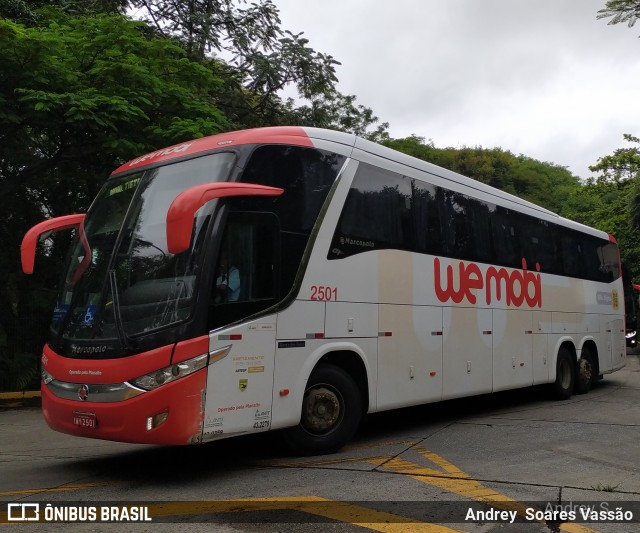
331 413
585 372
562 388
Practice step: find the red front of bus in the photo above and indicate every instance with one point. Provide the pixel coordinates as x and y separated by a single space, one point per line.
128 351
104 399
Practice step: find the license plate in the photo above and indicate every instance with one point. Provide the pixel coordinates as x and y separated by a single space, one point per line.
85 420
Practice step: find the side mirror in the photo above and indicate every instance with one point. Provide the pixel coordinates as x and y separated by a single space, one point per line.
40 232
184 206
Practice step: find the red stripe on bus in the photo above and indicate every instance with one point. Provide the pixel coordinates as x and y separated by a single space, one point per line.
273 135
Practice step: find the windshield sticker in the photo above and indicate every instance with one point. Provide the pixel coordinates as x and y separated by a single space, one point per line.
124 186
89 314
60 311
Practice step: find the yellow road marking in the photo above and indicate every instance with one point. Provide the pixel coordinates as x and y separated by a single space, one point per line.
452 479
335 510
63 488
448 477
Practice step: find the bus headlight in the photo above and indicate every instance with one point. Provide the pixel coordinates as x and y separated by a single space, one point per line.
155 379
46 377
631 334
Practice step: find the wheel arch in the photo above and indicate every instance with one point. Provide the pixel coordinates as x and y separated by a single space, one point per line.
354 365
563 342
346 355
590 344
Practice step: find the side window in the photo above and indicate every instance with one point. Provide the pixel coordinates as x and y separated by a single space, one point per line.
454 217
245 280
536 243
505 238
376 215
426 218
306 175
603 264
480 230
572 249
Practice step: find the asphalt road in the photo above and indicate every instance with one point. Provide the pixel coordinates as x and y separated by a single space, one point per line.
438 468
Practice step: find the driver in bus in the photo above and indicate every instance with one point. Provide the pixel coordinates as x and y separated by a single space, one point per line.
228 280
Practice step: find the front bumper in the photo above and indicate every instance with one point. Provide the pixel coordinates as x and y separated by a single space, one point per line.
128 420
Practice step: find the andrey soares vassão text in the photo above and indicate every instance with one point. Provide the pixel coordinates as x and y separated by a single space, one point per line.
601 512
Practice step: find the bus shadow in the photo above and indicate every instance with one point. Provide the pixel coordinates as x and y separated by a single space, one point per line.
175 465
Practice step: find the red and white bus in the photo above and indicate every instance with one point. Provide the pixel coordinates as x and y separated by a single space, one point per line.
297 278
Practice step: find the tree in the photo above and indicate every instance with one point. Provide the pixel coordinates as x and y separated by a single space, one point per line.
623 164
262 59
250 39
610 201
544 184
621 11
78 96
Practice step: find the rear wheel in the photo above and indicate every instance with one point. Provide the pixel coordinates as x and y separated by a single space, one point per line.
331 412
562 388
586 372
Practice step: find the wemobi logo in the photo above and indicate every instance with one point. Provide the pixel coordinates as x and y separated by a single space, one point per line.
517 286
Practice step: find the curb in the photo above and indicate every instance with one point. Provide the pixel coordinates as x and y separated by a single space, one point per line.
14 400
19 395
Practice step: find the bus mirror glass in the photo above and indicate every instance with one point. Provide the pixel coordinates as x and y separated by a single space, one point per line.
184 206
40 232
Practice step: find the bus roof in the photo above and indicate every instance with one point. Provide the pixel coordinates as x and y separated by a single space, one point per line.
305 136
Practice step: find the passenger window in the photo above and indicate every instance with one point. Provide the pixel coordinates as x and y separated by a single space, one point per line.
426 218
454 216
505 238
377 214
536 244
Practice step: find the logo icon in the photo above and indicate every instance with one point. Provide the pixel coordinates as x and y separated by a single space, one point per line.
83 393
242 384
23 512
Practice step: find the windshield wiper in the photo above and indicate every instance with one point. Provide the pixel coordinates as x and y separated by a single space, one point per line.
125 343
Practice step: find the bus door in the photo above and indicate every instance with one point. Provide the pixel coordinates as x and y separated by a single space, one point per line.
240 378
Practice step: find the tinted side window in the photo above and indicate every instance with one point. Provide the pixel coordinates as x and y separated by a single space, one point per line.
506 244
536 243
603 263
454 217
306 175
480 214
377 214
572 251
426 218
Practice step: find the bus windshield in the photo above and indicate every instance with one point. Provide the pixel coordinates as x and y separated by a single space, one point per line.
120 279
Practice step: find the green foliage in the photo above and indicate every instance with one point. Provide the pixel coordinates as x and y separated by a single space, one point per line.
339 112
262 59
611 201
214 25
19 371
78 96
624 163
621 11
544 184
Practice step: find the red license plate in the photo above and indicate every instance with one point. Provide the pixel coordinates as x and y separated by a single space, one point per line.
85 420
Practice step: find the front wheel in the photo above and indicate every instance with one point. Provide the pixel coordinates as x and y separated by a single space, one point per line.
562 388
331 413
